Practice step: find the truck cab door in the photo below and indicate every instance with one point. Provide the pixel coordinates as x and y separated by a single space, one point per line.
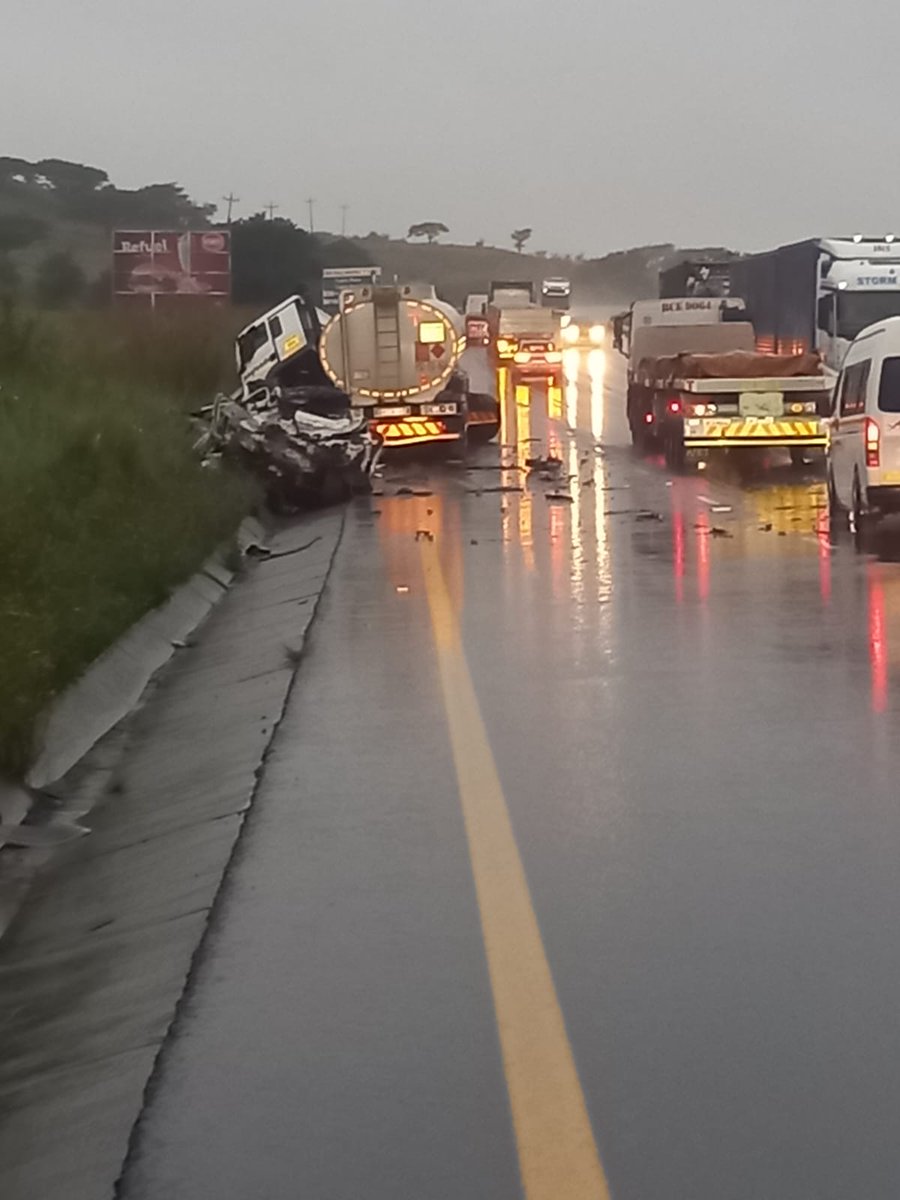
256 355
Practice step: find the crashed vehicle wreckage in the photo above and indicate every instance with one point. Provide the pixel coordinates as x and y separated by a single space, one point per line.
319 399
289 424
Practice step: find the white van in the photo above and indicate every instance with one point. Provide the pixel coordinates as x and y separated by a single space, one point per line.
864 451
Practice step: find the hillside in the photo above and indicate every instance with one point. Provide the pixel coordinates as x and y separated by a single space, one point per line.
456 270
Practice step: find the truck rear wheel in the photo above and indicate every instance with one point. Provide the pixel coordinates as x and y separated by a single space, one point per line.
487 427
673 445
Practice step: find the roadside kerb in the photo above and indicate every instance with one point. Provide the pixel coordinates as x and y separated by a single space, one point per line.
93 967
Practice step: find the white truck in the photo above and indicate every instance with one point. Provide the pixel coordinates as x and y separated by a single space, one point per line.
696 383
820 293
523 335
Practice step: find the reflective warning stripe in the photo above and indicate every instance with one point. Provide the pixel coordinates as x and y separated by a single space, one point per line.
755 429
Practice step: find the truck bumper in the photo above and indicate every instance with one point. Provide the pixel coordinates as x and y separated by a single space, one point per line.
705 433
418 430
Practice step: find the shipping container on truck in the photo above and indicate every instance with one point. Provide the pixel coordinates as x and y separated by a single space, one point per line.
819 294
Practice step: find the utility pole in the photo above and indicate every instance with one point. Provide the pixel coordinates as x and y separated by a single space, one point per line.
270 209
344 210
310 203
231 199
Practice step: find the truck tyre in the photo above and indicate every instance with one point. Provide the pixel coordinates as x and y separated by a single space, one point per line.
861 522
673 441
836 512
483 431
635 423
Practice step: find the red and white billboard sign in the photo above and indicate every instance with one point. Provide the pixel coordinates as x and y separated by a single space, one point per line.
167 263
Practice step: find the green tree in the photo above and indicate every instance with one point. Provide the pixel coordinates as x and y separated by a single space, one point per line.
271 259
18 230
10 279
428 229
60 281
72 177
520 237
14 172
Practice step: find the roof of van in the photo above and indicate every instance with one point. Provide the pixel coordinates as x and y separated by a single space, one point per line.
887 325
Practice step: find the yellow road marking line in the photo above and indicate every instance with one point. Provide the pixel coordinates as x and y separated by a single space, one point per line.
558 1157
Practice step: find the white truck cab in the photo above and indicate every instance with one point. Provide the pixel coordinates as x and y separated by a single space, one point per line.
275 338
864 450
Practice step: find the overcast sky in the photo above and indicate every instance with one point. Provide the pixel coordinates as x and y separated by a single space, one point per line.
600 125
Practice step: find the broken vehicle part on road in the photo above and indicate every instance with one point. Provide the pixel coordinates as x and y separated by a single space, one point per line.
306 443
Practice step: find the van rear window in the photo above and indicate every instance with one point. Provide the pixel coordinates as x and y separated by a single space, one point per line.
889 387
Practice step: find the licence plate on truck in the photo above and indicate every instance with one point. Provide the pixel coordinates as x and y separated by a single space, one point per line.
763 405
396 411
439 410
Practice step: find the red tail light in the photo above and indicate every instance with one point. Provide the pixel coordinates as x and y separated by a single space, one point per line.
674 407
873 443
648 418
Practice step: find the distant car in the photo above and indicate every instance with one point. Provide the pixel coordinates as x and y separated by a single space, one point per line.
556 293
580 332
864 426
536 359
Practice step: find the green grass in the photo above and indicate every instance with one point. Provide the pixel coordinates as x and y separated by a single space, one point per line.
103 507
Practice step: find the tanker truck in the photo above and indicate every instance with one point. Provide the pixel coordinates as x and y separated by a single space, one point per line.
396 351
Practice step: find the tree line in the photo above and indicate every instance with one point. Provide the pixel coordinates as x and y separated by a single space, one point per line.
270 257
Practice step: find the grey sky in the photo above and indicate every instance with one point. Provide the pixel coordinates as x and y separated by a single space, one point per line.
599 125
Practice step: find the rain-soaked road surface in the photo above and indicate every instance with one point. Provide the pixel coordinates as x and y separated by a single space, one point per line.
578 845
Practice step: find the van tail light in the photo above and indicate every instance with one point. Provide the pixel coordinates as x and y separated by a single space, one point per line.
872 434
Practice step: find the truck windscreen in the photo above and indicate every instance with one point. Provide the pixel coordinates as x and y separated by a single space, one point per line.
857 310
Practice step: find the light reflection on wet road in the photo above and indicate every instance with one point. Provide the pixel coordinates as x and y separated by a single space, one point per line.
689 690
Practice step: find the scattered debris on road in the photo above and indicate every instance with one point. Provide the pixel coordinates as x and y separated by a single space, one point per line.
501 487
550 464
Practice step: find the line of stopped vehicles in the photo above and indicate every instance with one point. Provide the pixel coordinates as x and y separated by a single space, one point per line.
796 349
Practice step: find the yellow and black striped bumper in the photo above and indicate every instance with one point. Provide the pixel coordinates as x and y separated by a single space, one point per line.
753 431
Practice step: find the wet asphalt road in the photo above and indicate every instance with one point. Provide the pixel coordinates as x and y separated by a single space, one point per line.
683 694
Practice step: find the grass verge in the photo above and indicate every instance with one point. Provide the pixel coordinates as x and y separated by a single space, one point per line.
103 507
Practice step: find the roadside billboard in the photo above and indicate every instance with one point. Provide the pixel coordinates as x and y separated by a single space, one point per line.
336 279
153 266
